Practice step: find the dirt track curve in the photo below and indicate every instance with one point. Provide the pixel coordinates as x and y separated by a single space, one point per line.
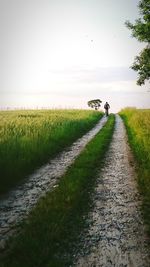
116 235
17 204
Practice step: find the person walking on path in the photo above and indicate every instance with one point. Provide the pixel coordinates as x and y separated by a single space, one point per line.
106 107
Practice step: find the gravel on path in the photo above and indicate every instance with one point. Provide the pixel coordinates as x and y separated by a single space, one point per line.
116 233
16 205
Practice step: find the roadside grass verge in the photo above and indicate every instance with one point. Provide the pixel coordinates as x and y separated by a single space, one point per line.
51 234
29 138
137 123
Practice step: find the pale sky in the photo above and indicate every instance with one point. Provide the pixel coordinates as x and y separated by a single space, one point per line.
62 53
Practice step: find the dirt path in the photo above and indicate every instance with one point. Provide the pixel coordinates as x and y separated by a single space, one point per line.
18 203
116 236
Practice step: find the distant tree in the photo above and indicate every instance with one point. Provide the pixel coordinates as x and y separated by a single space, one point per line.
141 31
95 103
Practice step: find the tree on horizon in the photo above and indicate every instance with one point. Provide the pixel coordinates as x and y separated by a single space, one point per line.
95 103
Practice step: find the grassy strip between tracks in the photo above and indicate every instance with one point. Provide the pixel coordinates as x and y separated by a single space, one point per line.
137 123
51 233
29 138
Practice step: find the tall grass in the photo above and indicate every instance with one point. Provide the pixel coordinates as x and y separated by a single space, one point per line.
51 234
29 138
138 128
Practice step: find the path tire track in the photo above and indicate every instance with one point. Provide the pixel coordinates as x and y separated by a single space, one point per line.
16 205
116 234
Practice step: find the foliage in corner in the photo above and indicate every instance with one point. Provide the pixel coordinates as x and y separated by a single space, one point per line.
141 31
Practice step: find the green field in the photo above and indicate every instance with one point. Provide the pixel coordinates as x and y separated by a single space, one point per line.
29 138
138 127
50 235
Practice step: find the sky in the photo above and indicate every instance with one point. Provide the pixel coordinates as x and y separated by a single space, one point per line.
63 53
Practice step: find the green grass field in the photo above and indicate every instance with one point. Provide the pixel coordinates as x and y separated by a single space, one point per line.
51 233
138 127
30 138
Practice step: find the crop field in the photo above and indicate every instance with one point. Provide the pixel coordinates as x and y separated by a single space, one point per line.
138 128
28 138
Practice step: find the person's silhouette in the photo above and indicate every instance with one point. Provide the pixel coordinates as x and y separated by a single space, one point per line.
106 107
